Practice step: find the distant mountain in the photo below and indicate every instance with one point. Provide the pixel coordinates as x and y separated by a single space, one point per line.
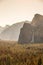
32 32
7 26
12 32
2 28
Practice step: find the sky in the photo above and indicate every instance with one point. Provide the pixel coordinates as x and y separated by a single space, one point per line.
13 11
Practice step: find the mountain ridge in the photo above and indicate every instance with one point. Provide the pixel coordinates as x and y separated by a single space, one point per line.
30 32
36 33
12 32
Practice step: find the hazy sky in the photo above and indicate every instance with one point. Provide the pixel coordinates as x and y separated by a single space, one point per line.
12 11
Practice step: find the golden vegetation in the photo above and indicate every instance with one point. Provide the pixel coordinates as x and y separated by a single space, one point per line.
12 53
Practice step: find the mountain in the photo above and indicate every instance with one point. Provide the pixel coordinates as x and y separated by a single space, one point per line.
26 33
3 28
12 32
37 22
7 26
32 33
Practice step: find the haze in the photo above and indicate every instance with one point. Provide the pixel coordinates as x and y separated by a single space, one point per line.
13 11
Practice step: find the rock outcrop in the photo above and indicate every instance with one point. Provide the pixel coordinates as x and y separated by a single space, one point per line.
37 22
26 33
32 32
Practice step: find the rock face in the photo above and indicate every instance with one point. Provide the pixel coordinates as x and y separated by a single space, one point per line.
37 22
32 32
26 33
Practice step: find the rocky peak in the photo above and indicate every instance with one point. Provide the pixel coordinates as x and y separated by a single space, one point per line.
37 20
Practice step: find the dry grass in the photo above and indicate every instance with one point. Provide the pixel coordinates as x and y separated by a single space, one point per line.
12 53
